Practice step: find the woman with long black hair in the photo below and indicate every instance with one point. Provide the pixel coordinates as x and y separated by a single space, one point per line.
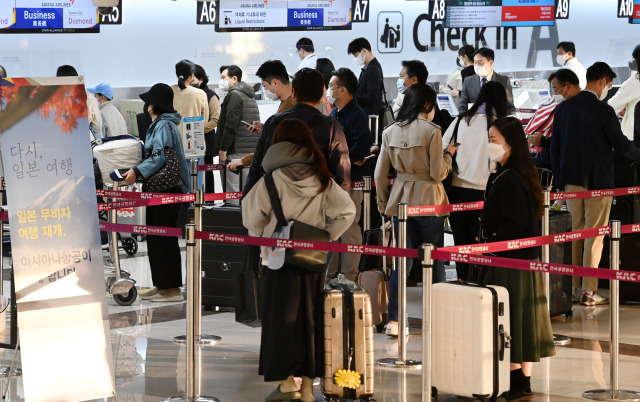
413 146
512 210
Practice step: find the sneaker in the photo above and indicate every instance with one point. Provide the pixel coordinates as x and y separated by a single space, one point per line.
147 295
576 295
167 295
593 299
392 329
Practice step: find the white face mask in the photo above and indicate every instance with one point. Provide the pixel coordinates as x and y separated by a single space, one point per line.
495 151
400 85
480 70
359 60
224 85
604 92
558 98
330 97
270 95
560 59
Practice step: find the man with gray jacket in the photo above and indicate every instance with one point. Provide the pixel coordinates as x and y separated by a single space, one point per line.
238 105
113 123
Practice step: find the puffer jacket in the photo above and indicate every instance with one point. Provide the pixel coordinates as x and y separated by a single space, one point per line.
297 185
238 105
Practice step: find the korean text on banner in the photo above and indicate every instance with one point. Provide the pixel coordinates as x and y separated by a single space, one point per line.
55 238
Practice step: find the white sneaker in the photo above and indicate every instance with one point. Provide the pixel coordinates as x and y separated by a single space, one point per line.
148 294
167 295
392 329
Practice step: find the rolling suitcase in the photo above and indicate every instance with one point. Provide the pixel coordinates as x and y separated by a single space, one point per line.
470 342
374 277
560 302
348 341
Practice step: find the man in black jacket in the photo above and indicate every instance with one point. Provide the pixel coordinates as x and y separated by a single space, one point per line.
308 88
585 131
369 91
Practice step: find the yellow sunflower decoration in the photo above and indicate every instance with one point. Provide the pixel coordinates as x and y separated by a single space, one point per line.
347 379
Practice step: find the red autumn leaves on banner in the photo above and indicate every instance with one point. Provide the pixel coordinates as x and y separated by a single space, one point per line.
66 104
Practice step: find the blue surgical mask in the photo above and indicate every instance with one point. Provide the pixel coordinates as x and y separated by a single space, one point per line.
400 85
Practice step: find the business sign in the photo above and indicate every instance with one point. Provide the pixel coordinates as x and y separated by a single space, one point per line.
41 16
499 13
282 15
55 240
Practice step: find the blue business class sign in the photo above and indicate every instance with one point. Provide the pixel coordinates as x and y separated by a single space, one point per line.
30 18
305 17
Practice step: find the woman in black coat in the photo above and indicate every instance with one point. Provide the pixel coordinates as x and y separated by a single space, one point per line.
512 210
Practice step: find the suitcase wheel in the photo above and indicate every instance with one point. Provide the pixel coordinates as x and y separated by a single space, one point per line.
130 245
128 299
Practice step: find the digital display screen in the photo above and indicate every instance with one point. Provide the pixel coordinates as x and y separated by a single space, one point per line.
283 15
635 17
49 16
499 13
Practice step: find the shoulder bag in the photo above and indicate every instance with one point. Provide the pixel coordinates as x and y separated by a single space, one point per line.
448 181
310 260
169 175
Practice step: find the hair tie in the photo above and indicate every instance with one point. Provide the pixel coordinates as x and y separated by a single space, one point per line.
181 77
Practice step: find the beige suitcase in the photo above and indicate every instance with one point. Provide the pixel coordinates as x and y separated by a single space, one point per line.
348 341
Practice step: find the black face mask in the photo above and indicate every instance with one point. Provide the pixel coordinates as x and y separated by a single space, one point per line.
145 110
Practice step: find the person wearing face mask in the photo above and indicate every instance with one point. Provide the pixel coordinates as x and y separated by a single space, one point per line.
305 50
370 85
470 178
187 100
513 206
464 61
239 104
413 146
163 252
200 80
565 85
483 66
585 133
113 123
325 67
355 125
625 100
566 58
277 86
412 72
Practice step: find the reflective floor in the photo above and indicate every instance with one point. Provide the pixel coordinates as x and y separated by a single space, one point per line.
151 367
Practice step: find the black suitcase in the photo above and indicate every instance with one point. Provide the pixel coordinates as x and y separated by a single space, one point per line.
629 252
560 302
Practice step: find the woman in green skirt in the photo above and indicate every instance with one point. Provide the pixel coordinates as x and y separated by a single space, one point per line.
512 210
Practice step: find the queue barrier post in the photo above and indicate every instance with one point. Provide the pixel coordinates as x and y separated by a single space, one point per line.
614 393
194 370
194 173
366 207
427 279
401 361
201 339
559 340
374 121
12 370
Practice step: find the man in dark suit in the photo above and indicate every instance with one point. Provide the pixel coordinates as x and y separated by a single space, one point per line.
585 130
369 91
483 66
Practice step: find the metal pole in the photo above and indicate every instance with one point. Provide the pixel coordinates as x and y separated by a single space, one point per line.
614 393
427 279
113 238
402 361
374 120
366 207
193 351
559 340
197 290
194 173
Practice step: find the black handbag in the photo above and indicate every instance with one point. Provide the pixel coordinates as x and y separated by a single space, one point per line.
310 260
448 181
168 176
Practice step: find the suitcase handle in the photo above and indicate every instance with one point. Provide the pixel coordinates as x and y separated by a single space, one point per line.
505 341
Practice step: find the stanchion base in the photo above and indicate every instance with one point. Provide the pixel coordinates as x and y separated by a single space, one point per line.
184 398
4 372
205 340
392 362
608 395
561 340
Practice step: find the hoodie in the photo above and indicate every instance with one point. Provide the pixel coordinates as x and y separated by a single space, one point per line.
239 105
297 187
163 132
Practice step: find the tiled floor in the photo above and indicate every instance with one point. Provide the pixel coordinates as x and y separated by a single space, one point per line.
151 367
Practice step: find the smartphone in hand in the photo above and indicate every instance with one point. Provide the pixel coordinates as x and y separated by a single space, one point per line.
251 126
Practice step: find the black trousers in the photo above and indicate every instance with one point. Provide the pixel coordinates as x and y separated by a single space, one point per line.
465 225
164 251
292 324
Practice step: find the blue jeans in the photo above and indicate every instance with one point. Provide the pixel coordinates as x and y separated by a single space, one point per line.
420 230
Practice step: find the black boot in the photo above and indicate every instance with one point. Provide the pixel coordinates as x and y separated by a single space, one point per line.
520 386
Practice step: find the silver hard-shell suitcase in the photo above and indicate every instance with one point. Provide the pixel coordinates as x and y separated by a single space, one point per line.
348 341
470 345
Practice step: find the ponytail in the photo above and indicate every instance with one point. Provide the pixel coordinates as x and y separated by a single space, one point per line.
184 68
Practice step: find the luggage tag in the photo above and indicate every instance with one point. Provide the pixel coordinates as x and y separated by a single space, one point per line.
276 257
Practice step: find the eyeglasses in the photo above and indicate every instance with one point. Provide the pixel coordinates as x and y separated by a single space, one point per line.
334 87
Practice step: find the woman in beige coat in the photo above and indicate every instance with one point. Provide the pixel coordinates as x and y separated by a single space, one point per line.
413 146
292 324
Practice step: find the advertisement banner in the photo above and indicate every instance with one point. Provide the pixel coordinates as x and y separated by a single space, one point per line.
193 137
55 239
